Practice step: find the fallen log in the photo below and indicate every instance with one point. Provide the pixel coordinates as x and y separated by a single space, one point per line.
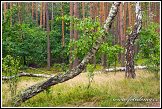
39 87
27 74
48 76
123 68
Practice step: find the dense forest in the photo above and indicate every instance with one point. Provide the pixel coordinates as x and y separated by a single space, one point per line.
100 52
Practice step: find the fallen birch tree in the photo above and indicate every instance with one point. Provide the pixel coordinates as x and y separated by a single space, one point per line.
21 74
123 68
27 74
39 87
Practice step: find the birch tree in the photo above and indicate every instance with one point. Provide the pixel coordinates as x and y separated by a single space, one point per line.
130 71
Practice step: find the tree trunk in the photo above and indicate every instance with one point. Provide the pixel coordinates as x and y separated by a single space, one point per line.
33 10
26 74
125 19
71 34
11 14
76 14
44 15
130 71
129 14
121 35
37 88
52 18
36 12
5 9
41 12
48 38
62 13
83 10
102 19
19 12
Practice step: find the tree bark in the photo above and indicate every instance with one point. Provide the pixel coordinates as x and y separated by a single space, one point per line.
123 68
44 15
83 10
5 9
129 15
48 38
62 13
37 88
19 12
27 74
11 14
71 34
52 17
41 12
121 34
76 14
125 19
36 12
33 10
102 19
130 71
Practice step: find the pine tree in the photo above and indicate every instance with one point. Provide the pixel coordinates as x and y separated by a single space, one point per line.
62 13
48 37
71 34
76 14
41 13
5 9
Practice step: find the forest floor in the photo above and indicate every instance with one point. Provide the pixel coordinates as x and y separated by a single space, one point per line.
106 90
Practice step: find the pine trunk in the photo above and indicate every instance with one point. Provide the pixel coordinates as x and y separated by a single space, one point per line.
19 13
62 13
41 12
71 34
83 10
129 14
48 38
11 14
36 12
76 14
33 10
121 35
5 9
44 15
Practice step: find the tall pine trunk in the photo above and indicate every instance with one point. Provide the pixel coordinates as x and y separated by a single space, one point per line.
76 14
41 13
83 10
71 34
11 14
33 10
62 13
48 38
5 9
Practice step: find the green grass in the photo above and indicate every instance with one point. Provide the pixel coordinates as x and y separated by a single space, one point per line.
103 90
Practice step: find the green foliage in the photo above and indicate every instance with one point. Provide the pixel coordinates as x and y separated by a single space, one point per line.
111 52
149 42
24 40
90 73
10 67
89 30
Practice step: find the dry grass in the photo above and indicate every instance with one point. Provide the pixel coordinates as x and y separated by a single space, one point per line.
104 86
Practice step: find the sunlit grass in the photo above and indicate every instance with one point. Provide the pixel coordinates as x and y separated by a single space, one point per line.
103 90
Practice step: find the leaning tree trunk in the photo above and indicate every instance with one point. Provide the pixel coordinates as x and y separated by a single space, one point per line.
37 88
130 71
